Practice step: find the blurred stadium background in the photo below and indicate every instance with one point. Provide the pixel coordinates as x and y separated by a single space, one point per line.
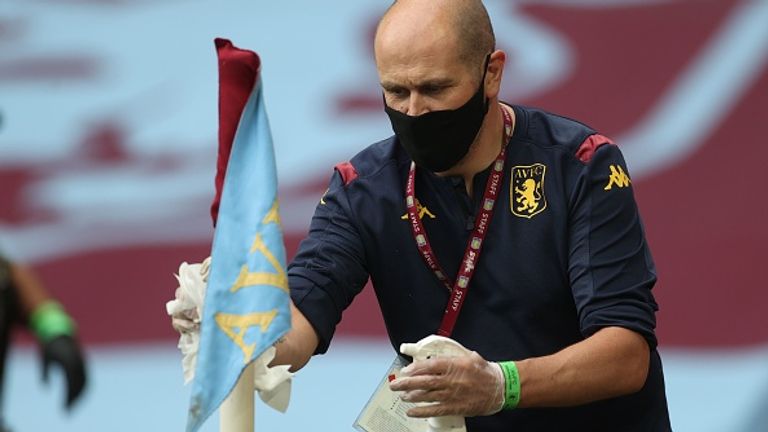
107 144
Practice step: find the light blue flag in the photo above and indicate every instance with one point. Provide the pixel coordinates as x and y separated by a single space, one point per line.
246 307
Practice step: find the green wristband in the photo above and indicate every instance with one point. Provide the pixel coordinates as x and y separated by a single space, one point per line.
49 320
511 385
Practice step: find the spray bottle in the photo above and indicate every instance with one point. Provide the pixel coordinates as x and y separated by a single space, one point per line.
438 346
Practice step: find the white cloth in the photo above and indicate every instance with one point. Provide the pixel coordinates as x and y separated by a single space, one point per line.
186 310
272 383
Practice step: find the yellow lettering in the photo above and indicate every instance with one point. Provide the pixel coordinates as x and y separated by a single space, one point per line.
272 216
247 278
229 322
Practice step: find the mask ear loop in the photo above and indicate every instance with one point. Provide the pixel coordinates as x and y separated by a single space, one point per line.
482 81
485 69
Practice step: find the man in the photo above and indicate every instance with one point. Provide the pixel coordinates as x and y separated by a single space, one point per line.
562 287
23 300
552 293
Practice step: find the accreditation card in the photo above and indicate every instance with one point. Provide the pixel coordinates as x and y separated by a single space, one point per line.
385 411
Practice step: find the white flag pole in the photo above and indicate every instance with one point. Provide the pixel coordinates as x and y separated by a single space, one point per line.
237 411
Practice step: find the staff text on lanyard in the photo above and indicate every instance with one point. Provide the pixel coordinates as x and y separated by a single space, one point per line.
459 287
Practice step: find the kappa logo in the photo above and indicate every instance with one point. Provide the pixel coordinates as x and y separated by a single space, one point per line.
618 177
421 210
527 190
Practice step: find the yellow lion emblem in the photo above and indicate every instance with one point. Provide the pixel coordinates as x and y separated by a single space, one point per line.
528 197
527 190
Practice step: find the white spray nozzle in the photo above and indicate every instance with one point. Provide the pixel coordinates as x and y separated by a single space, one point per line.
434 346
409 349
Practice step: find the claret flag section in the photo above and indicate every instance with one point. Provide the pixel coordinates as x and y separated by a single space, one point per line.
246 303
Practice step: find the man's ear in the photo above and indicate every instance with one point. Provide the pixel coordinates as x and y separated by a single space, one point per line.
494 73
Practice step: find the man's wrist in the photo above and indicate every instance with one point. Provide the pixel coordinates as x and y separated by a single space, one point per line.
511 384
50 320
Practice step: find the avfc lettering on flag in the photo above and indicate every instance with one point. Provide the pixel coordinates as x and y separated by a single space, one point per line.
527 197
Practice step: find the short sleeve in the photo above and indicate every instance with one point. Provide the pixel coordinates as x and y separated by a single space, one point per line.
610 266
329 269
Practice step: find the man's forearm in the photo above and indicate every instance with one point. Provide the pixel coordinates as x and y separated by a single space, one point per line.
612 362
29 289
296 347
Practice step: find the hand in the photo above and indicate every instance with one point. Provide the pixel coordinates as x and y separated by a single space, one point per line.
185 321
465 386
64 351
186 307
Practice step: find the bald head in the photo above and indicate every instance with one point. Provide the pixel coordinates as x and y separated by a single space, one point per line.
464 24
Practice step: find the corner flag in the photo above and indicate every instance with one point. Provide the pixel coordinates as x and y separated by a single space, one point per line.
246 307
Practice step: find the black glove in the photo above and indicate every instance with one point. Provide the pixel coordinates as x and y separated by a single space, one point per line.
64 351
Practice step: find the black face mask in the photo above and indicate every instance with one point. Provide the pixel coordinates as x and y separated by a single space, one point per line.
438 140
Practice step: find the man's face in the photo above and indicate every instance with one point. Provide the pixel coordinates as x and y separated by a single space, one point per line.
423 75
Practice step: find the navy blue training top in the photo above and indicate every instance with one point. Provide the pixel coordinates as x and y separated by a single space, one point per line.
565 256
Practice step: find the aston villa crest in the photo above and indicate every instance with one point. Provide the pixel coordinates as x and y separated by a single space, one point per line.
527 190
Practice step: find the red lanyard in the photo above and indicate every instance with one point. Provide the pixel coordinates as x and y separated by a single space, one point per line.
458 288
